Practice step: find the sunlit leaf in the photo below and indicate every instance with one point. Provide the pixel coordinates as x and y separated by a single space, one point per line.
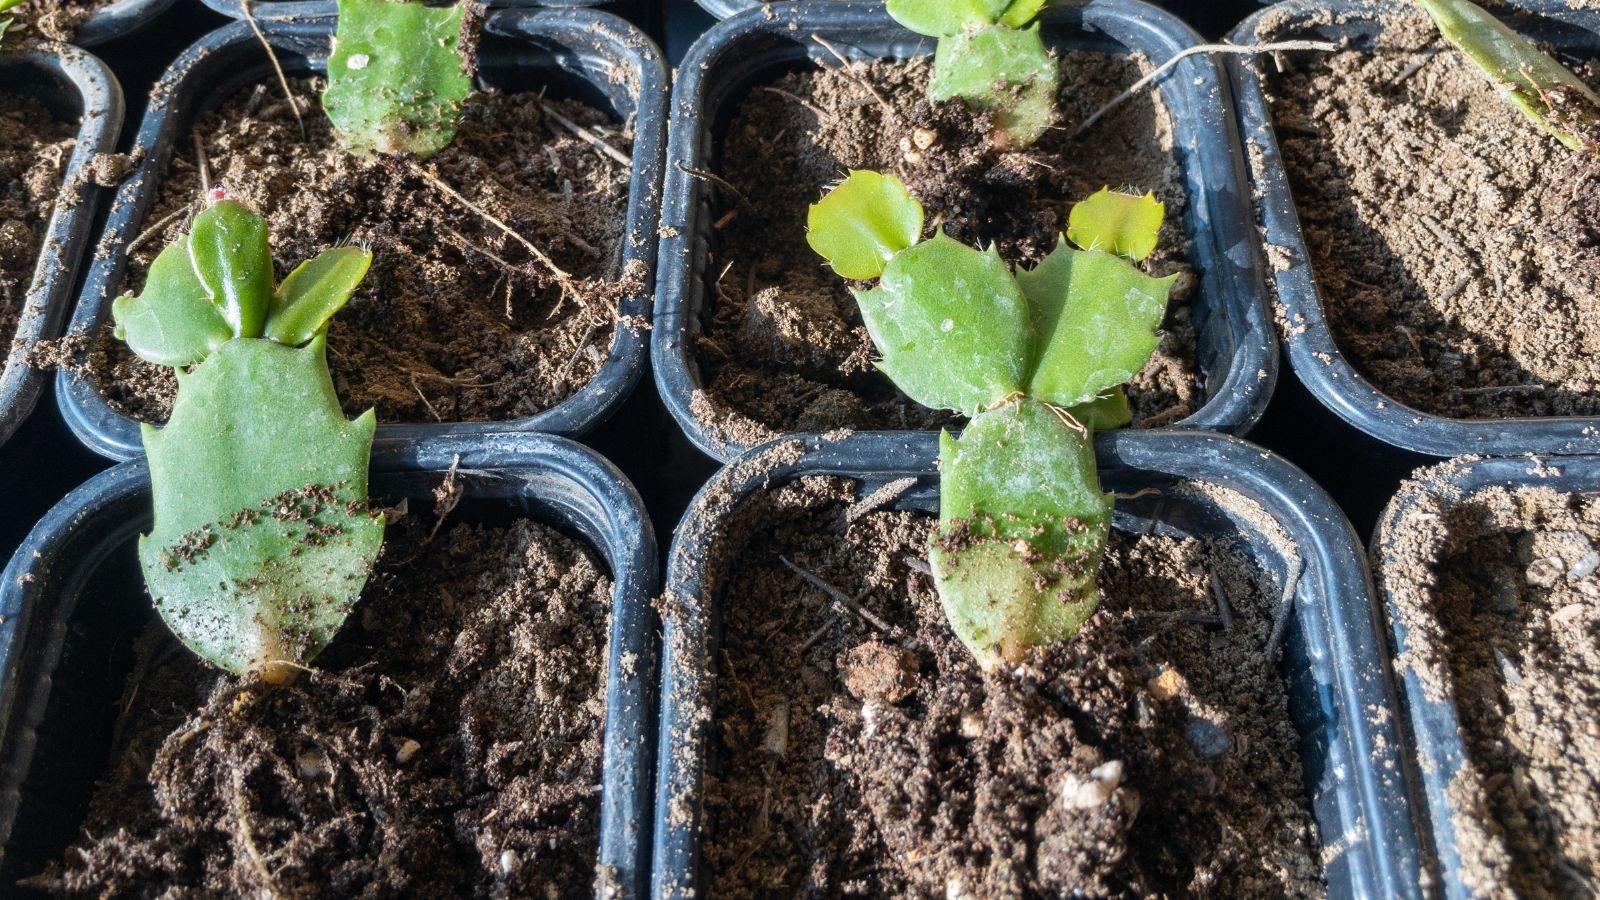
861 224
1003 70
1124 224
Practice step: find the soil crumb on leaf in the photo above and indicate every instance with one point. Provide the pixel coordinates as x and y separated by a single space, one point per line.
1499 593
784 347
1456 244
1148 756
34 150
456 321
448 744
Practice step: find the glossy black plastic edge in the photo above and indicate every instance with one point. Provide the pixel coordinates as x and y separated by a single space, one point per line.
1220 225
1310 347
570 484
596 47
265 10
121 19
1435 725
61 75
1364 796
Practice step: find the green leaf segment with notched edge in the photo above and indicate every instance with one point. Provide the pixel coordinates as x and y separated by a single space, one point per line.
1547 91
399 73
990 57
262 538
1037 360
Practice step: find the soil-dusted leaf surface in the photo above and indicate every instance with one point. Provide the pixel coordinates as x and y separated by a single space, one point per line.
1456 244
34 150
456 321
1500 596
1149 756
784 347
449 744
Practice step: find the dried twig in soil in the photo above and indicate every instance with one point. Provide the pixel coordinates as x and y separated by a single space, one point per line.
1198 50
839 597
587 136
1280 619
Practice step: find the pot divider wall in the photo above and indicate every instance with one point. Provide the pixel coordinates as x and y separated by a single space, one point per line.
1340 694
73 85
592 56
312 9
1435 724
1236 350
122 19
1310 344
1208 16
74 586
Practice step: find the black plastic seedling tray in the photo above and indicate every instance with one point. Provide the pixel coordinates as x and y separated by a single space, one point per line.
593 56
312 9
1207 16
1341 696
1435 725
122 19
74 86
1310 345
72 597
1237 348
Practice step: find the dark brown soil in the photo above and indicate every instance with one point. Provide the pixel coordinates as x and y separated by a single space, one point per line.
784 347
456 321
1500 595
449 744
1455 243
34 150
57 20
1149 756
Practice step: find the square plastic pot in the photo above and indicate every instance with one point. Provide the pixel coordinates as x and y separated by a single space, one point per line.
124 18
73 595
592 56
312 9
74 86
1207 16
1236 347
1311 349
1340 695
1435 725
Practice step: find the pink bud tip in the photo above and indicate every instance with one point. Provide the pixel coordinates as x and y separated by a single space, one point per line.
218 194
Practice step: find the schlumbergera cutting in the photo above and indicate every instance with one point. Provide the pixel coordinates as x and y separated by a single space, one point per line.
1549 93
262 538
1037 359
399 73
990 56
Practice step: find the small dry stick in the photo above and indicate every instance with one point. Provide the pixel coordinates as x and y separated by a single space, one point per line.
838 597
815 109
817 635
272 57
156 229
445 497
586 135
719 181
880 498
849 69
1502 388
203 165
1224 611
1280 619
561 274
1198 50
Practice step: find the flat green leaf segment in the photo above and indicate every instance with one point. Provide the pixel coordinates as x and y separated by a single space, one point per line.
398 74
1124 224
214 284
1096 317
1038 361
262 540
951 325
1003 70
1545 90
943 18
863 223
1022 530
